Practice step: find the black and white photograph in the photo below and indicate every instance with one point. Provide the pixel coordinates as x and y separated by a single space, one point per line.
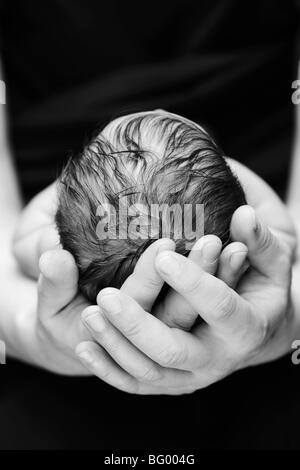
149 228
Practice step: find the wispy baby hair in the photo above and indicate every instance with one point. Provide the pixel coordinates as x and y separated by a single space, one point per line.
152 158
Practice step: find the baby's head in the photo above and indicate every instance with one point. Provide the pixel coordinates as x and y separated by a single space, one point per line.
136 182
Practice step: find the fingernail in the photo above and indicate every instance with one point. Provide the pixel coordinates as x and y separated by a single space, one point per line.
96 322
211 252
237 259
111 303
168 263
86 356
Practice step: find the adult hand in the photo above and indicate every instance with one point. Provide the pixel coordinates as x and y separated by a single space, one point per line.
36 231
51 332
250 326
230 266
134 351
280 225
57 327
47 324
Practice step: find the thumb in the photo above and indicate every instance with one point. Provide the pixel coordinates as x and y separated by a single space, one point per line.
265 251
58 281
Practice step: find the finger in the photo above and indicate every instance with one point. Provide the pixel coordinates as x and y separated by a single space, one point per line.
233 263
48 240
219 305
266 202
144 284
206 252
168 347
119 348
28 250
100 364
58 281
175 311
128 357
265 252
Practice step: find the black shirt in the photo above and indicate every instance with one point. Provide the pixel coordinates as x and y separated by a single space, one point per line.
72 65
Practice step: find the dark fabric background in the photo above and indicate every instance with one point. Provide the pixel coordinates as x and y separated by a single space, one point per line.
73 65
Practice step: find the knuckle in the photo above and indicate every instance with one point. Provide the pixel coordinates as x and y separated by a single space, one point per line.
172 356
110 344
150 281
126 385
225 307
148 375
265 239
131 329
130 387
191 286
104 374
144 281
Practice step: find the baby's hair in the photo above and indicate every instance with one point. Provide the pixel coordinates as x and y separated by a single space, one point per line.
151 158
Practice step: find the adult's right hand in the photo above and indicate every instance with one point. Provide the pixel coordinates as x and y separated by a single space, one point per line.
138 353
